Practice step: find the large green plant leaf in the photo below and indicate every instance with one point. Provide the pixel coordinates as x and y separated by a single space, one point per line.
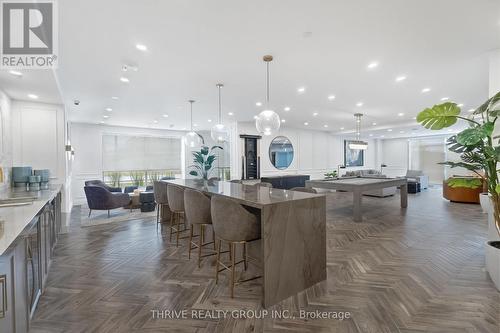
439 116
216 147
491 105
193 173
456 147
204 150
471 183
472 136
468 166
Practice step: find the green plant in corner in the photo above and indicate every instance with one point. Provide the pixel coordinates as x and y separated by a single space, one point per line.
475 144
203 161
471 183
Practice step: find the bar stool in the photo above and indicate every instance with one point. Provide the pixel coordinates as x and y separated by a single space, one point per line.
161 198
264 184
197 210
235 225
304 189
175 195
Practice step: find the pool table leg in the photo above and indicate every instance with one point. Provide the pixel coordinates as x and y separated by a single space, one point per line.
404 195
358 215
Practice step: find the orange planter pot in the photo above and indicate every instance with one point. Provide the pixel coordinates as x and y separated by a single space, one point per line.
461 194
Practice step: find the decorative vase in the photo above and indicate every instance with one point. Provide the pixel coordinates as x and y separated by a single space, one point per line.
20 176
484 201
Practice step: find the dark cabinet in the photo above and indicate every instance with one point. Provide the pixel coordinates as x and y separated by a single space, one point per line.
287 182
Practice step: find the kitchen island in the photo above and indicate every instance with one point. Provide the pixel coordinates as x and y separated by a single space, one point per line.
29 225
293 234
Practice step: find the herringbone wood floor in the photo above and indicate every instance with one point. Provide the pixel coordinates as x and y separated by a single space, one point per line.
419 271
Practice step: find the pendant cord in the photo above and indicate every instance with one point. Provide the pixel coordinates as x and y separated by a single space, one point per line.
267 83
191 107
220 103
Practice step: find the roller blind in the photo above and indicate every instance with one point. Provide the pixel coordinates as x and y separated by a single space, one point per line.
124 152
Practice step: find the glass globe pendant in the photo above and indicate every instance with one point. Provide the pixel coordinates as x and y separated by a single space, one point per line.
192 139
219 132
267 121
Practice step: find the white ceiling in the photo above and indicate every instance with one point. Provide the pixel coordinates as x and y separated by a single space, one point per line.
324 46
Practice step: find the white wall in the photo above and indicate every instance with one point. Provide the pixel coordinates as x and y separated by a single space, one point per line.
395 154
5 139
87 142
315 152
38 140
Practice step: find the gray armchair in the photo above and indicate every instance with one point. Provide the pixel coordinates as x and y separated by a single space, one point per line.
417 176
102 184
99 198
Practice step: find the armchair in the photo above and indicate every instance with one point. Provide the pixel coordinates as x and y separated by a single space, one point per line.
417 176
102 184
99 198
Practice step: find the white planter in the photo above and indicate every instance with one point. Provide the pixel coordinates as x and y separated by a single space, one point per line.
493 263
492 253
485 202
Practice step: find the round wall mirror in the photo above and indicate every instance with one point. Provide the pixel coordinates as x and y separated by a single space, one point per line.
281 152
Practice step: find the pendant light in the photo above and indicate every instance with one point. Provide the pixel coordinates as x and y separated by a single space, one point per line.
267 121
219 132
193 139
358 144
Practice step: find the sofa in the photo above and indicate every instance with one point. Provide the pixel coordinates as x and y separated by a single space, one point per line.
100 198
102 184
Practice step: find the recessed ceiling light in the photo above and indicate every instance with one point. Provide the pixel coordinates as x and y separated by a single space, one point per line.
230 113
165 116
414 118
286 108
342 128
16 73
209 120
445 99
155 121
370 134
372 65
283 120
325 126
258 104
108 109
382 136
315 114
401 114
306 123
33 96
471 110
460 105
400 78
331 97
389 130
255 117
359 104
114 98
101 122
195 125
105 116
301 89
141 47
374 124
401 132
426 90
124 79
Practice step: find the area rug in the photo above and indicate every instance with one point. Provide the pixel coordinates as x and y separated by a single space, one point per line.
116 215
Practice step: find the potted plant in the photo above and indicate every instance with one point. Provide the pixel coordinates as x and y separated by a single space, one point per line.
331 175
479 151
203 162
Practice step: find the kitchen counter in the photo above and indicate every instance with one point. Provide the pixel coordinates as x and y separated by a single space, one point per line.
13 220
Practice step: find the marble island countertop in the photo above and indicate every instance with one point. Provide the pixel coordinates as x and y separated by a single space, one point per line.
249 195
14 219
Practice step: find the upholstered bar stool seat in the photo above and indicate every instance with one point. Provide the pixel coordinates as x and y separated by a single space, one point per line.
175 195
197 212
233 224
304 189
161 199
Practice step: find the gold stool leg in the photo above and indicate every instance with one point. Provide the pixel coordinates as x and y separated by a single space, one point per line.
213 237
190 240
233 255
200 244
178 228
245 262
217 261
172 221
